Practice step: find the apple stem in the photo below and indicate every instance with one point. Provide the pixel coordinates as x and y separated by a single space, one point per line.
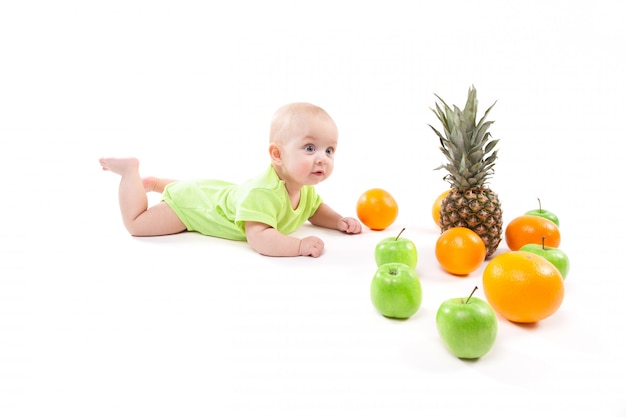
397 237
543 242
538 199
470 296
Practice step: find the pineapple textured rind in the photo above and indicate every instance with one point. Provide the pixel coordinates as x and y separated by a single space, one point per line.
471 154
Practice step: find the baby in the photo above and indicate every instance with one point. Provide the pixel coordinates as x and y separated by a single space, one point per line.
265 210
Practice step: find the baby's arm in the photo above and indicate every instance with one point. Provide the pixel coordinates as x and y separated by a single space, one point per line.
268 241
325 216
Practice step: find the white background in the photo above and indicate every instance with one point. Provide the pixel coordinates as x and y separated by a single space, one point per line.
94 322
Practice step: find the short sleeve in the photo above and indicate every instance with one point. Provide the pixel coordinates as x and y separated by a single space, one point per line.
260 205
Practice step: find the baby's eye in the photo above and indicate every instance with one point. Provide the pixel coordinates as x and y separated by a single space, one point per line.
330 151
309 148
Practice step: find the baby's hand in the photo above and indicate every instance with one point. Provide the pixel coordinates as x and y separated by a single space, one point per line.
311 246
349 225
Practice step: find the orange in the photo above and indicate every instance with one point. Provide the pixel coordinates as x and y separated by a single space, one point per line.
436 210
531 229
523 287
377 209
460 250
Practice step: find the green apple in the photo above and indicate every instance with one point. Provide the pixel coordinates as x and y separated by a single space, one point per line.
544 213
396 249
556 256
396 291
467 326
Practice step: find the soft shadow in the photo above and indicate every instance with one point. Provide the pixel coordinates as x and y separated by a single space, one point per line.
525 326
399 319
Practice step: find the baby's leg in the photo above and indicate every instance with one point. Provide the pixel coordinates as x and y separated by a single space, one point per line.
155 184
157 220
138 219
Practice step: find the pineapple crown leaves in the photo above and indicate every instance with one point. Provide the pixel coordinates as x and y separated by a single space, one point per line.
467 145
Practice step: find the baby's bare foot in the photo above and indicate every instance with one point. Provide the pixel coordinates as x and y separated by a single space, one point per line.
119 165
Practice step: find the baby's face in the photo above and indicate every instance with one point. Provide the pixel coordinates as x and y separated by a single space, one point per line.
309 150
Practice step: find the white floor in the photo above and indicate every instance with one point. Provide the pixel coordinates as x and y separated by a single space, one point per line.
96 323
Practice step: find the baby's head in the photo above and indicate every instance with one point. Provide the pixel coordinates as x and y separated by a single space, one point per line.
303 139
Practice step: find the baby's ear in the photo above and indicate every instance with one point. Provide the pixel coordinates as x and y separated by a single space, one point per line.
275 153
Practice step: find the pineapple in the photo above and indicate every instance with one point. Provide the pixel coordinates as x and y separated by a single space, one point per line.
469 150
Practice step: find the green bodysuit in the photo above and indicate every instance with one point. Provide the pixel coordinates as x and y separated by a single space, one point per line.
220 209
